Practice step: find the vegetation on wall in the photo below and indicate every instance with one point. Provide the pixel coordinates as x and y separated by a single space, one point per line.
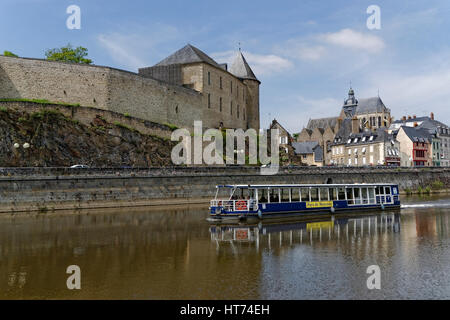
9 54
68 54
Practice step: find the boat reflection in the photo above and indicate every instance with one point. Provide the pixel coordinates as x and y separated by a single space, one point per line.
306 230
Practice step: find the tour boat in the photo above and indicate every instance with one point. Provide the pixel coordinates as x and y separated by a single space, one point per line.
281 200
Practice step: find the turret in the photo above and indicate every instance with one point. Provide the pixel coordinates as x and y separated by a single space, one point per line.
242 70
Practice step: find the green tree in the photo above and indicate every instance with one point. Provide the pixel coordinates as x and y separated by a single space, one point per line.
9 54
68 54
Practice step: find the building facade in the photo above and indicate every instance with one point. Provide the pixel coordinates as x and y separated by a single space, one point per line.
415 146
185 87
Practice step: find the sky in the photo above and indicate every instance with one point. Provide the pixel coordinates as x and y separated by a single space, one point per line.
305 53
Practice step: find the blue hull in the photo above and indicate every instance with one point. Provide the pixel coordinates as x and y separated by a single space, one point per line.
276 210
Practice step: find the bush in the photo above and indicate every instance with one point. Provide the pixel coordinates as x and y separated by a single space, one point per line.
127 115
3 109
9 54
437 185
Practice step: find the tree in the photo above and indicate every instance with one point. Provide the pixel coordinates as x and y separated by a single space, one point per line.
9 54
68 54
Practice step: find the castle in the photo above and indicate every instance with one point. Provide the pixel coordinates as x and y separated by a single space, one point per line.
185 87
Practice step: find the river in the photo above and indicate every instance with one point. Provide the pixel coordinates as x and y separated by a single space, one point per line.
174 253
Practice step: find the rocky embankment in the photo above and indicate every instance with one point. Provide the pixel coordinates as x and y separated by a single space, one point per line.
56 140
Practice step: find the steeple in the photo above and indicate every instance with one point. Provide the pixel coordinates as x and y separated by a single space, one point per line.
350 103
241 69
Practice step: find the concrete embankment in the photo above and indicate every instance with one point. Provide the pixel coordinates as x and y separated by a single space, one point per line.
46 189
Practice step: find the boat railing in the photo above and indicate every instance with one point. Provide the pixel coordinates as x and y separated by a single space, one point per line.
235 205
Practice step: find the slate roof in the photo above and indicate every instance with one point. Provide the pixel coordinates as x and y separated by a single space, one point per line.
322 123
417 119
417 134
188 54
370 105
432 125
318 153
304 147
344 131
241 69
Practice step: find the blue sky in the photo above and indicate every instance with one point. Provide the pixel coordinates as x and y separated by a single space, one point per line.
305 53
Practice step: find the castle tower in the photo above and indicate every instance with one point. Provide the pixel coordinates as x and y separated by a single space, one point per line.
242 70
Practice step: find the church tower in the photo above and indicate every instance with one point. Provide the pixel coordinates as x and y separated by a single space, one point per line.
242 70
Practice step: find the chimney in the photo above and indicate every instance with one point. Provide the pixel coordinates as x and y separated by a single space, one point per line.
415 124
432 116
414 116
404 118
409 117
355 125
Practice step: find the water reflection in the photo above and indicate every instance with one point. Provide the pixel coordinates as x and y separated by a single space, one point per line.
310 230
177 254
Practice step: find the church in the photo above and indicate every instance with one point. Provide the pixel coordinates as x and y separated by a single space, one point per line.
369 113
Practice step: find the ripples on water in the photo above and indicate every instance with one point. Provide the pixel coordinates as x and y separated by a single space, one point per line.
177 254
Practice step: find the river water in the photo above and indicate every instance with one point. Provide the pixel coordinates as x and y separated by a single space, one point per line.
176 254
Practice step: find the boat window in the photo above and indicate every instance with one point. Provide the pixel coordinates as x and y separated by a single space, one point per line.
295 195
305 194
364 195
224 193
387 190
285 194
341 193
274 195
350 196
371 195
357 194
241 193
379 191
314 194
263 196
333 193
323 194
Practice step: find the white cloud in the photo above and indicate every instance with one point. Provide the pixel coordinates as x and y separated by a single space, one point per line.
352 39
260 64
135 47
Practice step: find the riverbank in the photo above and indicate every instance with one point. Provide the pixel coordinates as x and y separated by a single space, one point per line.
48 189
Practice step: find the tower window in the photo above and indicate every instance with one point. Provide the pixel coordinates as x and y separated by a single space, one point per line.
220 82
209 78
238 111
243 113
231 86
209 100
231 107
220 104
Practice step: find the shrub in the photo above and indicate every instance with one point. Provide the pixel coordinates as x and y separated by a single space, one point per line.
437 185
3 109
9 54
127 115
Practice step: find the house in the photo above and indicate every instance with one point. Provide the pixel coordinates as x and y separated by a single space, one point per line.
311 152
415 146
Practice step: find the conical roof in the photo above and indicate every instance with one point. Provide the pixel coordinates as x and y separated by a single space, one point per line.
188 54
241 69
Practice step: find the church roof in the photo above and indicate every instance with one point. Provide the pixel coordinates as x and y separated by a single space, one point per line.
370 105
188 54
322 123
241 69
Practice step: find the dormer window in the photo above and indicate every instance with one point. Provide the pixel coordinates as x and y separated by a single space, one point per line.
356 140
371 138
349 141
363 139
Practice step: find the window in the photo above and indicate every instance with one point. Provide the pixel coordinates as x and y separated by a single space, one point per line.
363 139
371 195
357 194
371 149
349 192
295 195
363 150
355 151
231 107
356 140
263 195
349 161
379 121
238 111
387 190
285 195
231 86
356 161
333 194
243 113
209 100
349 140
323 194
364 160
304 192
341 193
274 195
220 82
364 196
314 194
371 138
220 104
349 151
209 78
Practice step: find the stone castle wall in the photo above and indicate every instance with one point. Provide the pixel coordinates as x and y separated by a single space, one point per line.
116 90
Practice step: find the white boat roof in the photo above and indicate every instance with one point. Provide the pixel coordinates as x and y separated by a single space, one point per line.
245 186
